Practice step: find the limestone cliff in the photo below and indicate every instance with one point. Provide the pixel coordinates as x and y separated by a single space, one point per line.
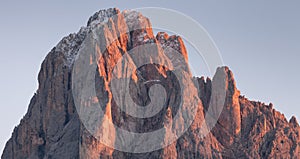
52 127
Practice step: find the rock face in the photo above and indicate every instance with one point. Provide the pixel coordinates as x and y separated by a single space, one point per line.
52 128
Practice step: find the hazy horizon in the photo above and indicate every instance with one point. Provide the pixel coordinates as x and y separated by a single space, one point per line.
257 40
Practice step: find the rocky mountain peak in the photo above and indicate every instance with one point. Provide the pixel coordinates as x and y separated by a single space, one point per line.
52 127
231 84
294 121
230 119
174 42
102 16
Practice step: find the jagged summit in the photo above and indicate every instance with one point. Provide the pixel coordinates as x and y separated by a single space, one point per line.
102 16
294 121
128 23
52 128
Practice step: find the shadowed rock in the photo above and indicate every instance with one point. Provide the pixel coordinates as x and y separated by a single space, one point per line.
52 128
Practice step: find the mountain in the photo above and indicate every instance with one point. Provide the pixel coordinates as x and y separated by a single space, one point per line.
62 121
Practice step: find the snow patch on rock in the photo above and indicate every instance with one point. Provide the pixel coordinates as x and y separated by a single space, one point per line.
71 44
102 16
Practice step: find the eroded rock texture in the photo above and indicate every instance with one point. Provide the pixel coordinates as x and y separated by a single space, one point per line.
52 129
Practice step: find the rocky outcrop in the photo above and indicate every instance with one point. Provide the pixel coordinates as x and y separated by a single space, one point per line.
52 127
229 124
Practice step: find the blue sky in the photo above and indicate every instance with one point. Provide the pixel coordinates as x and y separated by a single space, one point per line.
258 40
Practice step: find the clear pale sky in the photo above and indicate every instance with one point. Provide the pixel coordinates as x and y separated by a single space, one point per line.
258 40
